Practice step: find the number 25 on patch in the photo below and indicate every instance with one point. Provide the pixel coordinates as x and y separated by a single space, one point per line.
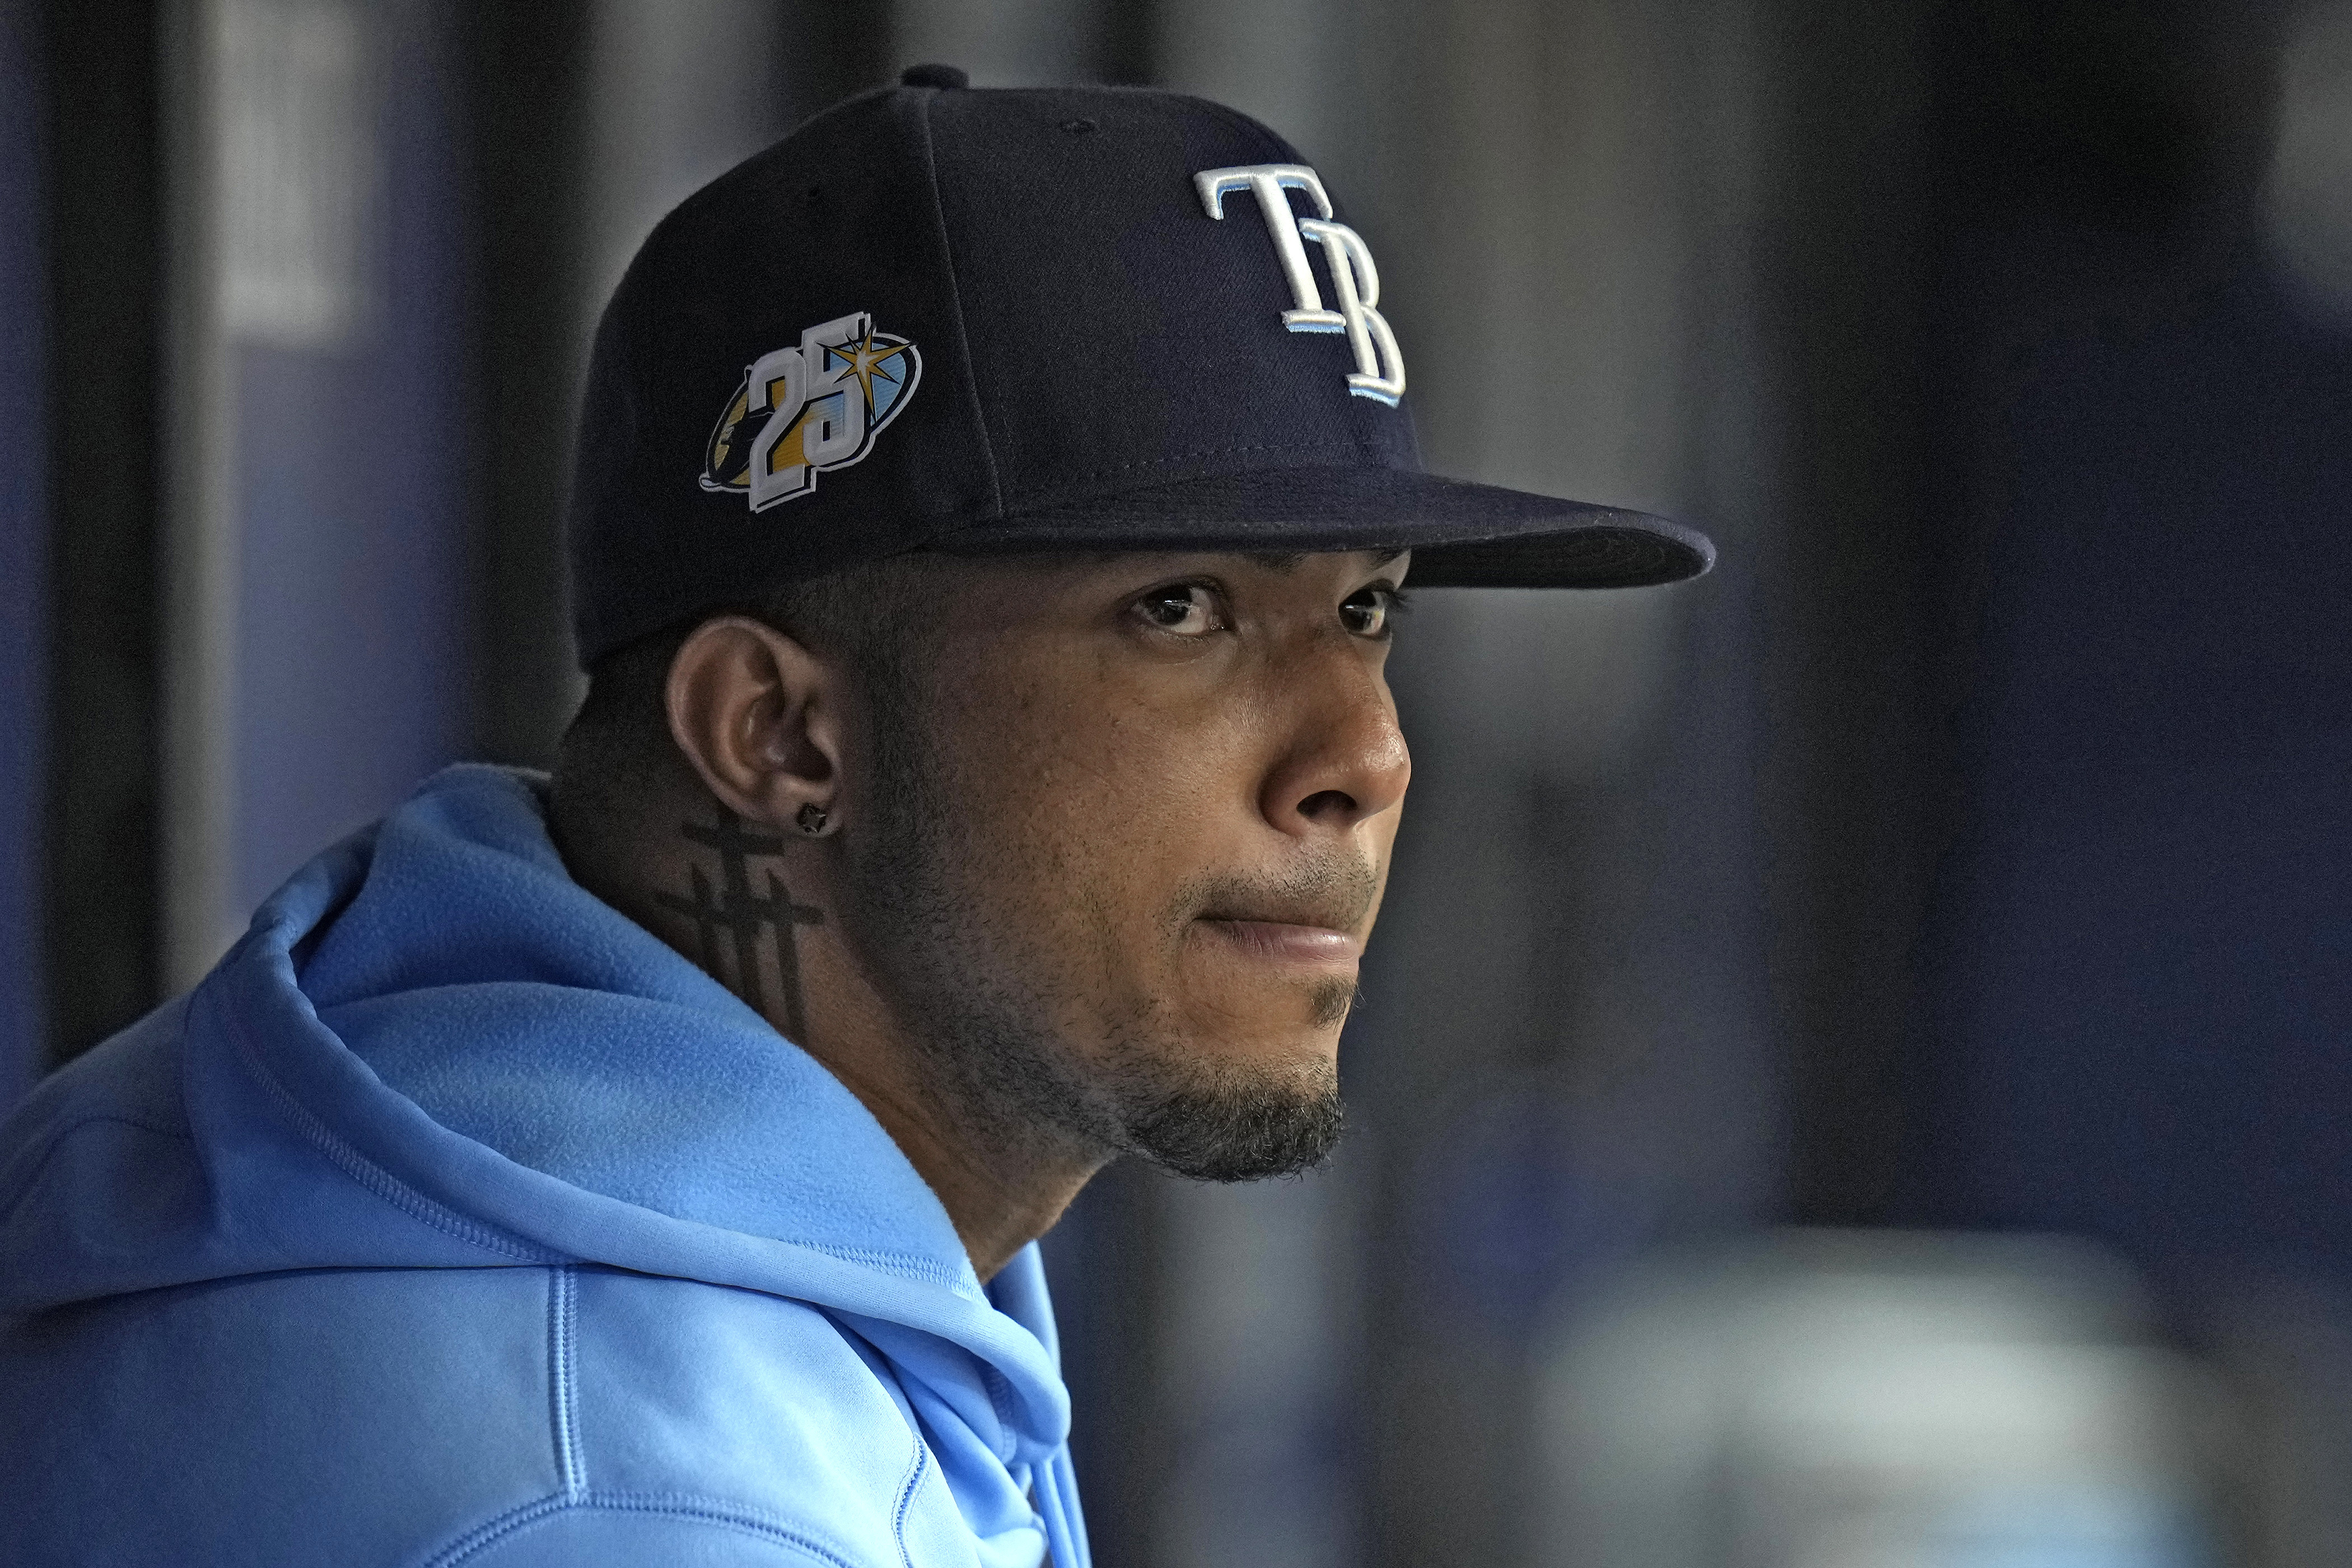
802 410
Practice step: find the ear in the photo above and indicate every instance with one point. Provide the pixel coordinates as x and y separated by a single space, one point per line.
759 718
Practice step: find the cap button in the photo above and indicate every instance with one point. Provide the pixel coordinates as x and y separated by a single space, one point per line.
933 75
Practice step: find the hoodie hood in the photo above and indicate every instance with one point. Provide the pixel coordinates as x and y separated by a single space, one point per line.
433 1049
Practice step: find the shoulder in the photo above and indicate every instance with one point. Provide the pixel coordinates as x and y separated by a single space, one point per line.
131 1081
98 1159
505 1415
702 1422
682 1386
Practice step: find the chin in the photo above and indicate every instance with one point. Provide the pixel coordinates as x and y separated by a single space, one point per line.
1236 1122
1239 1098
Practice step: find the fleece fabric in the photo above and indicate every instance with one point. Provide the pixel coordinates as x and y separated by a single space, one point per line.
456 1219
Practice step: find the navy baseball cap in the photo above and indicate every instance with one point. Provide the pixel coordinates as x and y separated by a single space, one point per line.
994 319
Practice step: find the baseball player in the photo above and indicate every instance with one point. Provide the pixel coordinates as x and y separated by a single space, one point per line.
991 513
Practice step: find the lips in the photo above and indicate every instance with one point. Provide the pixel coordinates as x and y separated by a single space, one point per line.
1308 915
1286 941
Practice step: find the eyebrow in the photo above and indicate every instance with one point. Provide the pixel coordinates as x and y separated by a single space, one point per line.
1287 564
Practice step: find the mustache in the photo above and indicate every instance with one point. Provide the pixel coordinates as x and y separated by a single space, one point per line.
1332 888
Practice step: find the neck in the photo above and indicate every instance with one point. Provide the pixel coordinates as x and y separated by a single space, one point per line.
1004 1184
756 909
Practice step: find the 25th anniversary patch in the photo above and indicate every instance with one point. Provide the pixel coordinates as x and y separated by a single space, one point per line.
804 410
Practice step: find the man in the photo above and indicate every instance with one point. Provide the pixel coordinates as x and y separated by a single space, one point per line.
990 511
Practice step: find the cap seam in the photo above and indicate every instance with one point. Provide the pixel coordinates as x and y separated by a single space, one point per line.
955 310
1073 480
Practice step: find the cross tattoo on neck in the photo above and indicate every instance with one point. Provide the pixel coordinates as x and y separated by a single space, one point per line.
739 913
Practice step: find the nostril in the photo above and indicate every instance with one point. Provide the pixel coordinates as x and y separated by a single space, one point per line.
1327 802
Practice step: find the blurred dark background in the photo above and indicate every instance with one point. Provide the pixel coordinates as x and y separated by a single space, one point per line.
1854 1069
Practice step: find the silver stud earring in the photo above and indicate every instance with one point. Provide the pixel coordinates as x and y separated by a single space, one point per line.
810 819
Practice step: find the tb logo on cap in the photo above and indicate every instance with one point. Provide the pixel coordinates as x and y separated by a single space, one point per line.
1380 368
802 410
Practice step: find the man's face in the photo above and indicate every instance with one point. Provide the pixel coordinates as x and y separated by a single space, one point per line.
1130 819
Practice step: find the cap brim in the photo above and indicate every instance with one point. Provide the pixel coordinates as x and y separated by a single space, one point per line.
1461 535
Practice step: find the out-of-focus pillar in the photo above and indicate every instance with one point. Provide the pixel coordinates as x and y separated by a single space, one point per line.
527 67
24 550
106 459
315 602
196 606
1850 772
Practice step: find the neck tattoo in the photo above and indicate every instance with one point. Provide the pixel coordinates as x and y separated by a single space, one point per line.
733 912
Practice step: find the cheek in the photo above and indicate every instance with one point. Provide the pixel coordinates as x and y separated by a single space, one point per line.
1097 814
1129 816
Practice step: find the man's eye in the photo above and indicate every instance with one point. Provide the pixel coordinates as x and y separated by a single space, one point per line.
1366 611
1188 609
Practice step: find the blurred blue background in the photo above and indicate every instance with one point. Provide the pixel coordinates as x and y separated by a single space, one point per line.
1853 1071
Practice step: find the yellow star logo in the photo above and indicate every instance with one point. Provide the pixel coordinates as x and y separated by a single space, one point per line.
864 360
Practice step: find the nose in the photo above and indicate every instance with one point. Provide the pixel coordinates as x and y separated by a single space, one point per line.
1345 760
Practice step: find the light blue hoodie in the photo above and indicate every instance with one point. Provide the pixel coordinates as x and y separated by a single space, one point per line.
455 1218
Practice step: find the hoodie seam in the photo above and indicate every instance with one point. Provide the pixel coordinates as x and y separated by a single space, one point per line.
374 1178
562 1336
669 1505
907 1500
897 1262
